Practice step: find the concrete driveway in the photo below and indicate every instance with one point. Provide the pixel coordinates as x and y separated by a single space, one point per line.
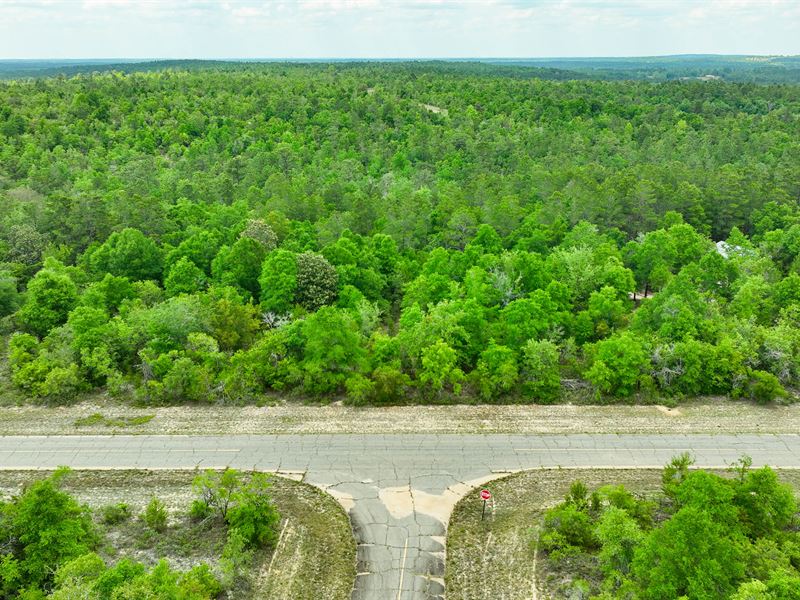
399 489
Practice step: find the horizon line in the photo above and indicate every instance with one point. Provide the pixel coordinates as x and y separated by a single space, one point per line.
379 58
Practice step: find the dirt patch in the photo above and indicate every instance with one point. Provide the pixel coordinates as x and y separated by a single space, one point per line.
435 109
702 416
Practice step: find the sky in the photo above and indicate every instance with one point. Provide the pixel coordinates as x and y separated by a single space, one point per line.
394 28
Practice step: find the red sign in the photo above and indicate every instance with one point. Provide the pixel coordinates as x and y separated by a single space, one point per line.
485 495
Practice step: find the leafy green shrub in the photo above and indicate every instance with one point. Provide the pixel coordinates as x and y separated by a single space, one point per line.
236 557
764 387
567 526
360 390
496 372
391 384
254 514
114 514
618 535
155 515
200 510
246 505
42 529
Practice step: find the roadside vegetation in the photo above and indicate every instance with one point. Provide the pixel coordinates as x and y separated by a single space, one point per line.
170 536
643 534
236 234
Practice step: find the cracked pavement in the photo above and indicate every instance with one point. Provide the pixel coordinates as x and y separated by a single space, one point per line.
398 489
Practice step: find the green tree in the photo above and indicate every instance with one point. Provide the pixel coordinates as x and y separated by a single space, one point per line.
541 376
753 590
439 370
278 281
619 366
184 278
767 506
317 281
527 318
128 253
51 295
619 535
233 323
254 514
497 372
240 265
9 296
690 555
216 491
332 350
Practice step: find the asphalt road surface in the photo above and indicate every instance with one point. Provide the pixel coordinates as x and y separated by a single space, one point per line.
399 489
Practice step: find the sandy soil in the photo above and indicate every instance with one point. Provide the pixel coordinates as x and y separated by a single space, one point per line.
701 416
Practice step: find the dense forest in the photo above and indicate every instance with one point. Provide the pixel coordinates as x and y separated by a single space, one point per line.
742 68
398 233
705 536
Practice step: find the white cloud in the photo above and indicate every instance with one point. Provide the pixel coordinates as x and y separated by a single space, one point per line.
396 28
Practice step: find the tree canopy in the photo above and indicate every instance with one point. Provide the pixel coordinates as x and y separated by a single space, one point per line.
162 231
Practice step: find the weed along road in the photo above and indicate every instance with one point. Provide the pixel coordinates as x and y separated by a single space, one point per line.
399 489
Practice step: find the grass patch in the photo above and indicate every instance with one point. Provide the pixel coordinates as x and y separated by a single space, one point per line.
98 419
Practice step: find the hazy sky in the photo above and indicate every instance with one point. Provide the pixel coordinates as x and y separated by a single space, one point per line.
394 28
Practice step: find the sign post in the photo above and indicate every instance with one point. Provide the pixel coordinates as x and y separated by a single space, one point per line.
485 495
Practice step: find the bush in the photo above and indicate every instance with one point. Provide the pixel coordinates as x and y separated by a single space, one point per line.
254 515
236 557
51 296
497 372
39 531
200 511
115 513
391 384
567 526
360 390
764 387
155 515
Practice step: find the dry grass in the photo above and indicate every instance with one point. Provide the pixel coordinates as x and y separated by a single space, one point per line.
497 558
102 416
316 559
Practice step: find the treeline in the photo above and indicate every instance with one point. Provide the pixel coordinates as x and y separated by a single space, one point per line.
705 537
756 69
397 233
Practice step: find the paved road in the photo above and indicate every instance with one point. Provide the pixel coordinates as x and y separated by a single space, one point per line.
398 489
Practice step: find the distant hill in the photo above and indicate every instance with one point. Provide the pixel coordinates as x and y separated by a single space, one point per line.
759 69
23 69
706 67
